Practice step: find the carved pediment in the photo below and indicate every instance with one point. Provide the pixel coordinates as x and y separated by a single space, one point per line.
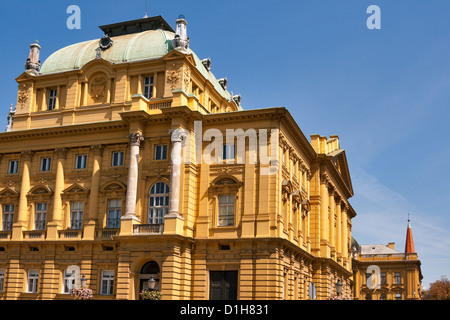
40 191
9 193
225 184
75 189
113 186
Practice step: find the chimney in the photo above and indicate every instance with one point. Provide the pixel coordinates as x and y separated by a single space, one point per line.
33 63
391 245
181 40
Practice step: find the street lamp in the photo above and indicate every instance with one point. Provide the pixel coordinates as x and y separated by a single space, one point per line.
339 286
151 283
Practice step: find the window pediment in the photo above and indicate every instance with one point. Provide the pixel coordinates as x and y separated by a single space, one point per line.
8 193
227 184
40 191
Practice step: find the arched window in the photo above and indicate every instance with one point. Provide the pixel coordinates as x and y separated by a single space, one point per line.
158 205
398 296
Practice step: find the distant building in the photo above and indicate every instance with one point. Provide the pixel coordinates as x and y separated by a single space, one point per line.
383 273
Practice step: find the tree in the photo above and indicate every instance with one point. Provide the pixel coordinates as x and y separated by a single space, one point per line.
439 290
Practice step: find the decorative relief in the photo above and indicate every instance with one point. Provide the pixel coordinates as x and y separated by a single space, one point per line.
286 189
227 169
97 88
173 76
187 79
23 95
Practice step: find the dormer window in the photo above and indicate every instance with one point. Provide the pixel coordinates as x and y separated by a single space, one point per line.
52 99
148 87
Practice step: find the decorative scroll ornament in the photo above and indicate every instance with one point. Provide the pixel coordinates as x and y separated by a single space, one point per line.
187 79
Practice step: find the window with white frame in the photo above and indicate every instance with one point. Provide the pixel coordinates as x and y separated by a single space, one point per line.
148 87
2 279
46 164
40 216
226 210
33 280
68 282
397 278
161 152
13 167
8 214
107 282
158 205
76 215
80 162
228 151
117 159
52 99
114 214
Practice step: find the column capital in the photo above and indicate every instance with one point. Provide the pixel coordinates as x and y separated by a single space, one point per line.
98 149
177 135
61 152
27 155
136 139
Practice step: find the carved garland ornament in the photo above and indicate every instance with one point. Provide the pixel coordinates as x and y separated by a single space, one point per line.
23 95
173 76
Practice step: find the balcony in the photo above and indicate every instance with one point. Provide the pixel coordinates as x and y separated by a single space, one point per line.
148 229
107 233
71 234
34 235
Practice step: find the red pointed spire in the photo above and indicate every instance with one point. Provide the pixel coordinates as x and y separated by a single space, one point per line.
409 245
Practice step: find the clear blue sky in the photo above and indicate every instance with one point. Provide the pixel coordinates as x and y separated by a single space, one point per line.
384 92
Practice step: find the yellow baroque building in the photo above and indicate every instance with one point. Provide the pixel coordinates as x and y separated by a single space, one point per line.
112 169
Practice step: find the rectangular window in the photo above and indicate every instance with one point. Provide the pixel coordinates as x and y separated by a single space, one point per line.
228 151
81 161
161 152
397 278
383 277
45 164
117 159
8 214
52 99
76 215
33 278
114 214
13 167
40 216
148 87
226 210
2 279
107 282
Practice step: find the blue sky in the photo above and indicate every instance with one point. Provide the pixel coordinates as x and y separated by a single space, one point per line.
384 92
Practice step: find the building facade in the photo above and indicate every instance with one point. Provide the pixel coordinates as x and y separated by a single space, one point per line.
383 273
127 159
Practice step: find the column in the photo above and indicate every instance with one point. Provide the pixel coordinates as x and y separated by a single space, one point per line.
130 219
175 172
27 156
56 221
89 227
345 235
135 144
338 228
331 216
173 223
324 247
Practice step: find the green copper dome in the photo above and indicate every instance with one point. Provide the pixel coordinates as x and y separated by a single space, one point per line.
149 44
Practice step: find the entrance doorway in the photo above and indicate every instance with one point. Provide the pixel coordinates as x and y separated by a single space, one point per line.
223 285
